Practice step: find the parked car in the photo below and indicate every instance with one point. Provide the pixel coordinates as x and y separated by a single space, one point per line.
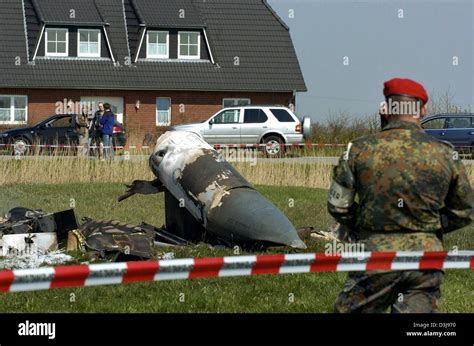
57 129
271 125
458 129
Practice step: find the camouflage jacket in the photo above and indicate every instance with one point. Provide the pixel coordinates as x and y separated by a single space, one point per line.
409 187
82 125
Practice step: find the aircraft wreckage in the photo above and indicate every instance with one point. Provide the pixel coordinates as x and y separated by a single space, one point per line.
206 198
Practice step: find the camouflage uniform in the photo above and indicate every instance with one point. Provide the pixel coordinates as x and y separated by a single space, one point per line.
411 188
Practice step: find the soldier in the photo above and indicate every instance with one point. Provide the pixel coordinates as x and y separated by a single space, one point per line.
95 131
411 188
82 128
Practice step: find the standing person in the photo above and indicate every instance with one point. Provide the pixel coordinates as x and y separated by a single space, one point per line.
95 130
411 189
107 121
82 126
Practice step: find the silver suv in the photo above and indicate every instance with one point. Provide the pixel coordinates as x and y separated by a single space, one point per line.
270 125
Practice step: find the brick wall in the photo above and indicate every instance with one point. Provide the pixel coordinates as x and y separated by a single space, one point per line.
187 106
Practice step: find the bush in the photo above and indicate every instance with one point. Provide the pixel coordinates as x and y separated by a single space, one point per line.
343 128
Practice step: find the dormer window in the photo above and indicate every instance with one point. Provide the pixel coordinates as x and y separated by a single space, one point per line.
56 42
189 45
88 43
157 44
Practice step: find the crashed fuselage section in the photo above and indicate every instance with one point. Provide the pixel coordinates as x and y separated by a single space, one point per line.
205 196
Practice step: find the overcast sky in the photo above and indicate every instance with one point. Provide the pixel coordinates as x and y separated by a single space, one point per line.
379 45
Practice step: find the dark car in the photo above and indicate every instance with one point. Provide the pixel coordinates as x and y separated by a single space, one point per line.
458 129
57 129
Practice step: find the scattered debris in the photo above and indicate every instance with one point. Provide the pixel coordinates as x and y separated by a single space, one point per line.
167 256
115 240
306 233
28 235
336 232
30 243
27 261
111 239
327 235
163 237
29 231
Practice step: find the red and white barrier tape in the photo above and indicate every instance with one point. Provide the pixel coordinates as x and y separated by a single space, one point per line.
64 146
192 268
216 146
294 145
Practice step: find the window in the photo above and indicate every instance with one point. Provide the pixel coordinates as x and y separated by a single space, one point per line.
13 109
282 115
163 111
235 102
254 116
60 122
230 116
116 103
157 44
458 123
56 42
88 43
434 124
189 45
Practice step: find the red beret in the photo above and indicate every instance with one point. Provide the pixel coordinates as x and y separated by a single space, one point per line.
406 87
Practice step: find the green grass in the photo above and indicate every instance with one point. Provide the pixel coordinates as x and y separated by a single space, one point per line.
269 293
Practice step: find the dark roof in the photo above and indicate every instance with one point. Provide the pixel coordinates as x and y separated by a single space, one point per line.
116 30
245 29
68 11
169 13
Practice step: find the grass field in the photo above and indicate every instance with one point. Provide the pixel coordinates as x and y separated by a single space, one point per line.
60 171
283 293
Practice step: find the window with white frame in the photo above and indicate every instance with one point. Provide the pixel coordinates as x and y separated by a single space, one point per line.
189 45
163 111
13 109
88 43
56 42
157 44
235 102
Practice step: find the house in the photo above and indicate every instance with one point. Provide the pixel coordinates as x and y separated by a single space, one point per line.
158 62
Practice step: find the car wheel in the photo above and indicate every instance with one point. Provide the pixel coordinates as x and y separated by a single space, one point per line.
273 146
307 132
21 146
